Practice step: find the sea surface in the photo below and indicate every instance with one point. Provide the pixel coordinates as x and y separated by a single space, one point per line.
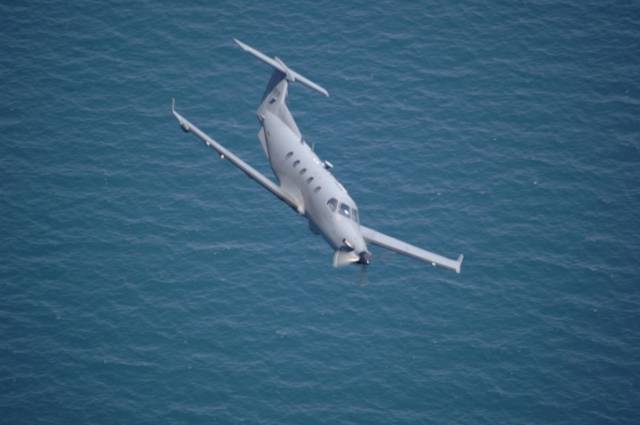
144 281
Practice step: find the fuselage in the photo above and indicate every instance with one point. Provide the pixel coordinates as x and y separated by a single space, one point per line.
307 179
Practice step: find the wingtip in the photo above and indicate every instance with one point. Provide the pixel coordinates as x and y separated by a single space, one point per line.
459 261
239 43
173 104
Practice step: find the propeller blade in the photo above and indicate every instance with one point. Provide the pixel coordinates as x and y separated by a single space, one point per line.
363 279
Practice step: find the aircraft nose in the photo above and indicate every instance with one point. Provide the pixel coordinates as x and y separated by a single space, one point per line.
365 258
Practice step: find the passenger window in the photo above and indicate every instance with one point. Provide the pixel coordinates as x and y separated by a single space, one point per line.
310 179
344 210
317 189
289 155
304 170
333 204
354 213
296 162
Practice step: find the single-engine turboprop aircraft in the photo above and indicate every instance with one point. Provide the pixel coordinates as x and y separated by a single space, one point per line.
304 181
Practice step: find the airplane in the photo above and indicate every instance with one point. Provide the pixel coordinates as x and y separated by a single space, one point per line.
303 181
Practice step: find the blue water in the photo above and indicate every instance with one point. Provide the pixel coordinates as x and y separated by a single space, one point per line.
144 281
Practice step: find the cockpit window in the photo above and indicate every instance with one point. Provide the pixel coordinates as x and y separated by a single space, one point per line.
333 204
354 215
345 210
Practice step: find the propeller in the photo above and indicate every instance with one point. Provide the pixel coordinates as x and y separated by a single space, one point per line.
363 278
346 255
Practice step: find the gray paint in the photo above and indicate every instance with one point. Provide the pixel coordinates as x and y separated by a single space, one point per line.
294 162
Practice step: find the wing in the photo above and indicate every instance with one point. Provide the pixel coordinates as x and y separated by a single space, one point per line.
227 154
404 248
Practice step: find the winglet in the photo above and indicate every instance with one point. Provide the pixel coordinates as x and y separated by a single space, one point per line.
184 124
459 263
278 64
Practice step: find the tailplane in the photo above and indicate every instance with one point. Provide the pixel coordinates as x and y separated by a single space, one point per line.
278 64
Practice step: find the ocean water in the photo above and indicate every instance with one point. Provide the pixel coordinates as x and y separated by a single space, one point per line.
144 281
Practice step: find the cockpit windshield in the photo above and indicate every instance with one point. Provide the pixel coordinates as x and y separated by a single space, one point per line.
345 210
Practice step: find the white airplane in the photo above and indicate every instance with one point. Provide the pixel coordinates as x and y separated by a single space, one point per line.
304 181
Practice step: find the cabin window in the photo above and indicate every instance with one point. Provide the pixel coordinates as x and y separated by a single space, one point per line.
345 210
289 155
310 179
304 170
296 162
333 204
317 189
354 215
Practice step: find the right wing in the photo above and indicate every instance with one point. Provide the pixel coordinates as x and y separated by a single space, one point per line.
227 154
404 248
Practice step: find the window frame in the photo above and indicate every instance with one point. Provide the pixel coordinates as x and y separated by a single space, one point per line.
344 210
332 204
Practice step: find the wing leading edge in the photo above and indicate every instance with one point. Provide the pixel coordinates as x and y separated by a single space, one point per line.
404 248
235 160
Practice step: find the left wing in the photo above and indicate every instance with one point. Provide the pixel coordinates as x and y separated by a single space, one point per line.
246 168
404 248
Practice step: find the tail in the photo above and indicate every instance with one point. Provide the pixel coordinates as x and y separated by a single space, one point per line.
277 63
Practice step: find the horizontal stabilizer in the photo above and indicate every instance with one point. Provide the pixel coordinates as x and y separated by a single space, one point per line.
280 66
